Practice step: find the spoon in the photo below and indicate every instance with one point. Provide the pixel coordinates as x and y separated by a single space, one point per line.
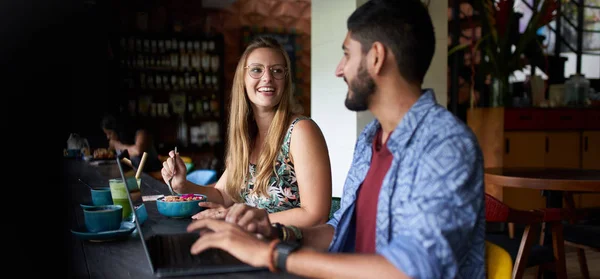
85 184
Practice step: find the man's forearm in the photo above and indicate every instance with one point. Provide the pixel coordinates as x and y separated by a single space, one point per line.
317 237
309 263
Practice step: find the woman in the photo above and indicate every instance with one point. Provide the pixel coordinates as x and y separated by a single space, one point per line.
274 155
124 134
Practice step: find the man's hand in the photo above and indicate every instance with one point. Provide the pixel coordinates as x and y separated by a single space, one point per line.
251 219
213 211
231 238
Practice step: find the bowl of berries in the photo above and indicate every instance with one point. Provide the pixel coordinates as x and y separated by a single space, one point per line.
180 206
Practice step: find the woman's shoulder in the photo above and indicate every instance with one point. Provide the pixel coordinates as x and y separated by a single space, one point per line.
300 130
296 123
297 118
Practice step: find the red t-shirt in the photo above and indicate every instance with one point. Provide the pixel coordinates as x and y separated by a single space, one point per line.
368 195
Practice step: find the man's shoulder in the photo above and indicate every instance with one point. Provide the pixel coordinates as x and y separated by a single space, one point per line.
440 124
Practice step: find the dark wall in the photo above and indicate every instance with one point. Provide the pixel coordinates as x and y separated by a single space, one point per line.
53 83
93 81
56 72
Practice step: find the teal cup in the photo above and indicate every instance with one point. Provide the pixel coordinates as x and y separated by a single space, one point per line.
101 196
102 217
141 213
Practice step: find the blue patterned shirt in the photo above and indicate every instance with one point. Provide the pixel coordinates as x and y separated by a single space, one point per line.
431 213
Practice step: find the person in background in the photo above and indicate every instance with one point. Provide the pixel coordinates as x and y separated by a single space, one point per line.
413 200
125 134
277 160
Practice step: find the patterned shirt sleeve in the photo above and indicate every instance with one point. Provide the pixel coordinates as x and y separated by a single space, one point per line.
437 220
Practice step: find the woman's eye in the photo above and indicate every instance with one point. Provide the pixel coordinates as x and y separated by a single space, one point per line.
256 70
277 70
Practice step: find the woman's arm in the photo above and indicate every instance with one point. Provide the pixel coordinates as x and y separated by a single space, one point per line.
309 153
213 192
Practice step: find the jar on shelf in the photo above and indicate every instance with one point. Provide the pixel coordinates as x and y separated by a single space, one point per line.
576 90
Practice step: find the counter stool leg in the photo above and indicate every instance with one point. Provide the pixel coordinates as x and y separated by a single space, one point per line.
558 245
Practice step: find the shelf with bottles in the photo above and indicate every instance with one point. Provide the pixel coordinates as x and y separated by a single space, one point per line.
190 106
157 81
171 62
171 52
204 106
174 82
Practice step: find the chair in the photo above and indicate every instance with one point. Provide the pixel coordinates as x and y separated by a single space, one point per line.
554 218
498 262
582 231
335 205
202 177
524 253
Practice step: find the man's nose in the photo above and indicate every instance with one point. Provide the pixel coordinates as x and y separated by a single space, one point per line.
339 70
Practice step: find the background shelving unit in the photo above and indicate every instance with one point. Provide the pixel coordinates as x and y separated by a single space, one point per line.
174 84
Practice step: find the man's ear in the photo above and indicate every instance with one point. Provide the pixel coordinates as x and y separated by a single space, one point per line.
377 55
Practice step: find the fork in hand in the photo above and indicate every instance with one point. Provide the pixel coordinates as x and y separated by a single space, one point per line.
171 179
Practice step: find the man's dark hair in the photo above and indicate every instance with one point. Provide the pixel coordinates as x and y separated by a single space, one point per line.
403 26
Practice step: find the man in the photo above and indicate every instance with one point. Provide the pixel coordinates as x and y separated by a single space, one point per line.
413 202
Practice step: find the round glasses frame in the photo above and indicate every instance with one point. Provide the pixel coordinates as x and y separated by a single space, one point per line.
285 71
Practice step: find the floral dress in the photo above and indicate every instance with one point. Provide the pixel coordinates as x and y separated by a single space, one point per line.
283 188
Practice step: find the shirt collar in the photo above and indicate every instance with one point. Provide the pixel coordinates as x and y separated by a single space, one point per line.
409 123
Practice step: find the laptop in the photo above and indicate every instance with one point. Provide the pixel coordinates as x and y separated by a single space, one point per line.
169 253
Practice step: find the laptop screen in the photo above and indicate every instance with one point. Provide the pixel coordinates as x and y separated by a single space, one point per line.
167 245
134 200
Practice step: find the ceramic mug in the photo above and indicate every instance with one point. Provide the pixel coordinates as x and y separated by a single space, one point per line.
102 218
101 196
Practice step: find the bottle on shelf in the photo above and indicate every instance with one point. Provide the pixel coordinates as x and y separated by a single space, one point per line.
182 131
214 105
576 90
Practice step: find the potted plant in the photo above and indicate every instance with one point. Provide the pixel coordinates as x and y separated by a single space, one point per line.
504 48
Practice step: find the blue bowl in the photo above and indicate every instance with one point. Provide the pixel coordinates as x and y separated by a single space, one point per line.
179 209
103 217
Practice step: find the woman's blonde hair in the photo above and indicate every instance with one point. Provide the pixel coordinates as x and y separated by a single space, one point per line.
242 128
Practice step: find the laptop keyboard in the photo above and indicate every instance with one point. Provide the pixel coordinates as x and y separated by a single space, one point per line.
174 251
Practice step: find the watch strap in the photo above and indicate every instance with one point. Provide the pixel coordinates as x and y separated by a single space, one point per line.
284 249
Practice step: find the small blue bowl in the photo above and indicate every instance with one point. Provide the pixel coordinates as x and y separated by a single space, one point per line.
101 196
72 153
179 209
103 217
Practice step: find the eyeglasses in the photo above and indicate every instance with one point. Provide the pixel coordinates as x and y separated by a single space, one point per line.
257 71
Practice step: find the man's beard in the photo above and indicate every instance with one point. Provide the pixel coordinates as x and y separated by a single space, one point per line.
361 87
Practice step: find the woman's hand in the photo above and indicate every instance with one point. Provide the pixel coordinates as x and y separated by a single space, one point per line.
212 211
252 219
231 238
174 168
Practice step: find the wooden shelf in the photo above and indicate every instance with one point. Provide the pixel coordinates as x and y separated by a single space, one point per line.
192 102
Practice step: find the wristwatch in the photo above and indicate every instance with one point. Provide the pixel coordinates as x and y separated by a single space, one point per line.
284 249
